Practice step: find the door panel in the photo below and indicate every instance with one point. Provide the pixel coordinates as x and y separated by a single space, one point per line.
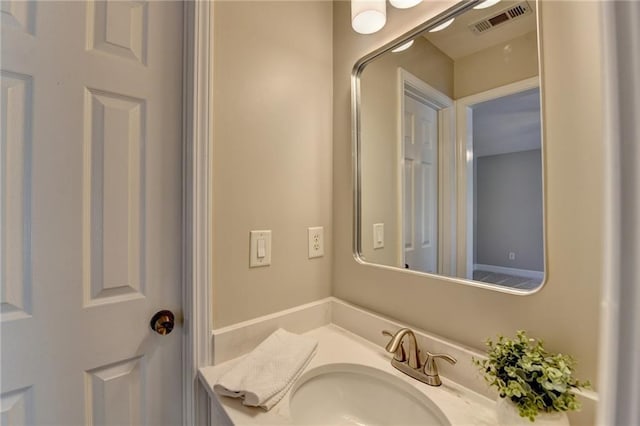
15 163
113 197
90 190
420 136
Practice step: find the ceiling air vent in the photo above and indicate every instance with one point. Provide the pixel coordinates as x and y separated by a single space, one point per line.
502 17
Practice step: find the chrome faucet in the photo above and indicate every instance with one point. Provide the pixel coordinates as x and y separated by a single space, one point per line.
411 365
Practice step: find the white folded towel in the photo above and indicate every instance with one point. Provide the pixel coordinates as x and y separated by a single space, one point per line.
265 375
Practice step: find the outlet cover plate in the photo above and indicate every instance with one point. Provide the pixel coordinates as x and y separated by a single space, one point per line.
316 241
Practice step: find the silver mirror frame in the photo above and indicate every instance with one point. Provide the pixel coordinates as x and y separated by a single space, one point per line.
356 73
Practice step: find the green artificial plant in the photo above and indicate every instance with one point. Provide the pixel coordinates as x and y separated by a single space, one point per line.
532 378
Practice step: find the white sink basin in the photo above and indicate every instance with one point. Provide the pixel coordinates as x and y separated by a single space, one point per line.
352 394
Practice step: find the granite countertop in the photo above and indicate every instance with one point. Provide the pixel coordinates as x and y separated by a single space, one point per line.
336 345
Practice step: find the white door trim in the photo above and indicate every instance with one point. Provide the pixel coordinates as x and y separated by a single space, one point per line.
446 166
197 210
619 367
465 166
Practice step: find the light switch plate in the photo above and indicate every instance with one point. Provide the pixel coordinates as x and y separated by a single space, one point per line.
378 235
256 258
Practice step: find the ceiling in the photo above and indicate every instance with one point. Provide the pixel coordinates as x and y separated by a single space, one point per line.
507 124
458 40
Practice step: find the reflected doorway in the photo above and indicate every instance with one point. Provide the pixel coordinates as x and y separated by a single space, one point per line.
504 191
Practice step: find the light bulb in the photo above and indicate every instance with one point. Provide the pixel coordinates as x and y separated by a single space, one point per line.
404 4
485 4
442 26
403 47
368 16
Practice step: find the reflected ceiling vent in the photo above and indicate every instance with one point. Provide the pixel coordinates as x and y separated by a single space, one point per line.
500 18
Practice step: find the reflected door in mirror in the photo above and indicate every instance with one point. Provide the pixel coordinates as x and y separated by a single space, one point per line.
420 144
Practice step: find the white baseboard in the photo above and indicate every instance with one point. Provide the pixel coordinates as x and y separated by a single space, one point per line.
526 273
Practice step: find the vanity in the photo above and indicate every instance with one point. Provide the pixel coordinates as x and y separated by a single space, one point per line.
342 350
337 346
350 343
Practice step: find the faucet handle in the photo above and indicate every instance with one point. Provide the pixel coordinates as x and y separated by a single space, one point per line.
399 354
431 368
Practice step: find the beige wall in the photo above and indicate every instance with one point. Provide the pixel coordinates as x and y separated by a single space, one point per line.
565 311
273 164
272 153
379 128
496 66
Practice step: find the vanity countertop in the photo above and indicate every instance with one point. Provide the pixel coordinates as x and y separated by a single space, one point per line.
336 345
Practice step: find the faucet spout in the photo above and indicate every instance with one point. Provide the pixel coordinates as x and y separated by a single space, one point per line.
428 373
396 341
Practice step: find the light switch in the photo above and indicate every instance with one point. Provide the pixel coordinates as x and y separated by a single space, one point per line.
378 235
260 248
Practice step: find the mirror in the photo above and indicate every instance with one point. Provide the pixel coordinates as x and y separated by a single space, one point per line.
449 177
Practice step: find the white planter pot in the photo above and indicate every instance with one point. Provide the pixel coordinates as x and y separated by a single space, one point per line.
508 415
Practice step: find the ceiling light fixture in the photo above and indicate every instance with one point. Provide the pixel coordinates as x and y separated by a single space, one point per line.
485 4
403 47
368 16
442 26
404 4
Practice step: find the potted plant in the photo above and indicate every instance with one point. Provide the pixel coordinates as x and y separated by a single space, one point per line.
531 382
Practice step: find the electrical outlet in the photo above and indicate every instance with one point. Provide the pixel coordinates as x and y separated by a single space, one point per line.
512 256
316 242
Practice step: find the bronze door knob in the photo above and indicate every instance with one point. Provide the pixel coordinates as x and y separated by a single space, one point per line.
162 322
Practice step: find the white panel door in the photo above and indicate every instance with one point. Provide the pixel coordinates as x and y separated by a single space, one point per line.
420 221
90 193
